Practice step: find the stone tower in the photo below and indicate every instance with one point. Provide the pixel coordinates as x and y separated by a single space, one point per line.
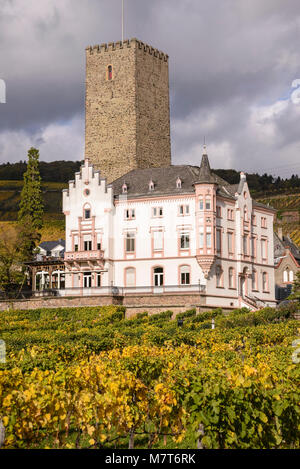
127 108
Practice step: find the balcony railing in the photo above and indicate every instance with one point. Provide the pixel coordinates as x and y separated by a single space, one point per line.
84 255
122 291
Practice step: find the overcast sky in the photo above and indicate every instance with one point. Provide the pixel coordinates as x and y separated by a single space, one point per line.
234 76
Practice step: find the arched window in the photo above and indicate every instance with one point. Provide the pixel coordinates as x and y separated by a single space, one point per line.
185 275
231 277
254 280
151 185
130 277
219 276
87 212
109 72
178 183
124 188
245 214
286 275
265 281
291 276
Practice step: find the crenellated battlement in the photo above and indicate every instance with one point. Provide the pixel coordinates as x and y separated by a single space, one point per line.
112 46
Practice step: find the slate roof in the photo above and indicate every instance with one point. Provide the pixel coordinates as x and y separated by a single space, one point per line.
281 244
165 178
50 245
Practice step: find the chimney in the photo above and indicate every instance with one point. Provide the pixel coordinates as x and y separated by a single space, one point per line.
280 234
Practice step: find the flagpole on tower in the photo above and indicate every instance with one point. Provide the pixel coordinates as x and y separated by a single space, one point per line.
122 20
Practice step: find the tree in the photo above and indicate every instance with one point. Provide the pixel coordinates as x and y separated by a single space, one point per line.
296 288
31 209
11 272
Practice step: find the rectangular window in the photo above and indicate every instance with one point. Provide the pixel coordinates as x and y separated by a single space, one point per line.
157 212
87 245
219 241
130 214
184 210
265 281
87 214
230 214
76 247
231 277
130 277
263 222
184 241
208 240
99 246
185 278
253 247
98 280
264 249
158 240
201 240
219 211
130 242
207 204
245 245
230 242
201 206
254 280
87 280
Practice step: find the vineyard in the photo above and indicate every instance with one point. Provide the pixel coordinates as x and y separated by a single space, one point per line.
283 202
286 203
90 378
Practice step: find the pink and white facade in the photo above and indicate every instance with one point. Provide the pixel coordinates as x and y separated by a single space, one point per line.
162 230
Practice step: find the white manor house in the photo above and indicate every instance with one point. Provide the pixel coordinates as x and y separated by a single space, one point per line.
176 230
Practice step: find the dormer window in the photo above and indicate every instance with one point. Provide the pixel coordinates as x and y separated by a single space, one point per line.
178 183
151 185
124 188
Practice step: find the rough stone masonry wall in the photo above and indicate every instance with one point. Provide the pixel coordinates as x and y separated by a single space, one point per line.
134 304
153 110
128 117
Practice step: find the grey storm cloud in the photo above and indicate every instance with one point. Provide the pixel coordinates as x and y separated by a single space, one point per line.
232 64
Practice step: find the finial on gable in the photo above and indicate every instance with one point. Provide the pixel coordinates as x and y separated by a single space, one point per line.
243 175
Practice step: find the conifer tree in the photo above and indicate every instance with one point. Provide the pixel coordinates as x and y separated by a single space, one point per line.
31 209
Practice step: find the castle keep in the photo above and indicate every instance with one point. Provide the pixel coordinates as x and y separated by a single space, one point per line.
127 108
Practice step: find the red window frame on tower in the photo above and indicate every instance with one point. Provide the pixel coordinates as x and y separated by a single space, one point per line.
109 72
